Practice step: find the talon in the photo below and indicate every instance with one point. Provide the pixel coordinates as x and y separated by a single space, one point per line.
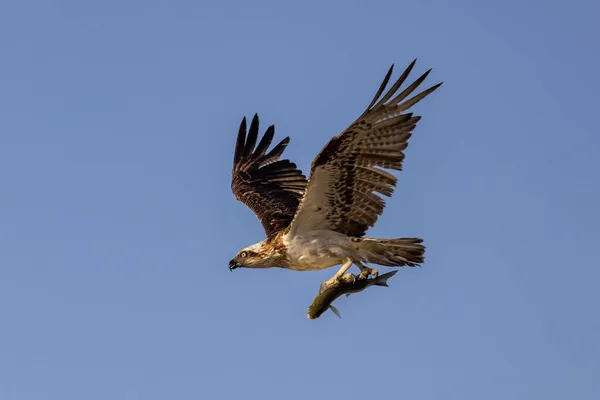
364 274
374 273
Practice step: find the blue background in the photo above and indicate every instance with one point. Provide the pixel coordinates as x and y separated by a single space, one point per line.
117 127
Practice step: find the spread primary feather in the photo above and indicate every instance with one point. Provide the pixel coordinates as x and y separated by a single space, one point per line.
320 222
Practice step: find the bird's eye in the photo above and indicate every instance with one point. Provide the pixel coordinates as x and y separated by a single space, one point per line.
243 254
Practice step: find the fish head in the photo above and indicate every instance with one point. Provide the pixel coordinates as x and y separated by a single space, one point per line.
314 313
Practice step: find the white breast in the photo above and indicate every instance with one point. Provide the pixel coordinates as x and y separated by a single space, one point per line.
317 250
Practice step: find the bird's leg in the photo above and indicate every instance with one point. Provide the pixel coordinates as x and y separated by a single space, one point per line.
345 267
366 271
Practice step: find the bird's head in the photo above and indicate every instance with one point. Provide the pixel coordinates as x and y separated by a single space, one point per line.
255 256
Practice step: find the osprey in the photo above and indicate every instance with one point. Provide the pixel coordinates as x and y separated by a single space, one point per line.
321 222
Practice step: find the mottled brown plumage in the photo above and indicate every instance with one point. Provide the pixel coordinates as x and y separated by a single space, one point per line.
270 187
346 174
315 224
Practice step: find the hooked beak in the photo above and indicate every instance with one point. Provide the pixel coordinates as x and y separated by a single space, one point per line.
233 265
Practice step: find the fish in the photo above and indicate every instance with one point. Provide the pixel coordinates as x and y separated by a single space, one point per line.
347 284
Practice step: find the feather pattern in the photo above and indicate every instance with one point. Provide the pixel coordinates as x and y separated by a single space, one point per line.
349 172
270 187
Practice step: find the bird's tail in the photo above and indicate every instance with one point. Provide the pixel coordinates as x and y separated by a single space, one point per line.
392 252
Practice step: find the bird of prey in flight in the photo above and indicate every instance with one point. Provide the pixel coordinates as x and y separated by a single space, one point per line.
321 222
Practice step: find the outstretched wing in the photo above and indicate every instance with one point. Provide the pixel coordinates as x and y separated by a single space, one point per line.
270 187
345 176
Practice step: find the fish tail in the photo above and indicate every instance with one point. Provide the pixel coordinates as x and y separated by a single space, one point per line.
381 280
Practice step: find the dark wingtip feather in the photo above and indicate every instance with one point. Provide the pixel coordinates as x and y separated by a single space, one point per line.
252 136
411 88
278 150
265 142
239 145
397 84
381 88
415 99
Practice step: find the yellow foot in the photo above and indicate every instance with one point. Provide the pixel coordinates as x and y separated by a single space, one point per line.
336 280
366 272
329 283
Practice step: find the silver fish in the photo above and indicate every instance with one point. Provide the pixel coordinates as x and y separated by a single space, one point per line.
347 285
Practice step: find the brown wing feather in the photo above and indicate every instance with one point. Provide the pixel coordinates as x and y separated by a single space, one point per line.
347 174
270 187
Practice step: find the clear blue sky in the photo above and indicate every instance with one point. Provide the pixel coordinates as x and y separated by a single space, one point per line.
117 126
